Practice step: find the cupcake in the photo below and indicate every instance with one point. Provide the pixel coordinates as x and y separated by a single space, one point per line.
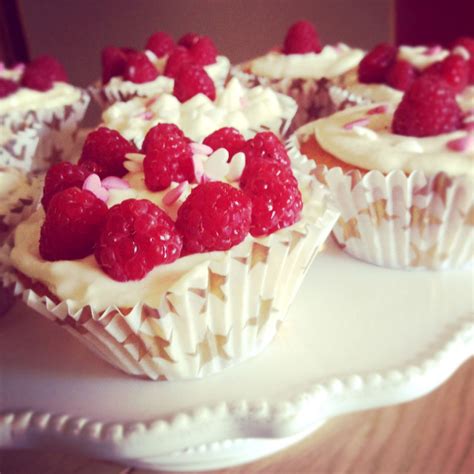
38 95
387 71
127 73
401 176
303 69
198 109
18 148
183 264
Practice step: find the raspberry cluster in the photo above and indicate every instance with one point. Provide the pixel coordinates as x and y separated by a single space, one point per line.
133 237
381 66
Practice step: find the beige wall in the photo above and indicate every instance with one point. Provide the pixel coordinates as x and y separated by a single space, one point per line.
75 31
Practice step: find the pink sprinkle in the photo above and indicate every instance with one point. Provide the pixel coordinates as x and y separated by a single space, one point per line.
200 148
145 115
92 183
20 67
362 122
433 50
339 47
380 109
198 168
173 195
462 144
113 182
150 102
469 126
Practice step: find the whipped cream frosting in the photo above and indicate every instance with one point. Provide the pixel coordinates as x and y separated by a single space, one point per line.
332 61
90 285
373 146
28 99
248 110
217 72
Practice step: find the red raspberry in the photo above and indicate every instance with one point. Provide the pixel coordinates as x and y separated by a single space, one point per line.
139 68
215 216
179 58
42 73
468 44
265 145
60 177
193 80
104 152
7 87
301 38
136 237
203 51
428 108
168 157
376 63
434 69
188 40
276 199
160 43
227 137
71 226
455 71
114 63
401 75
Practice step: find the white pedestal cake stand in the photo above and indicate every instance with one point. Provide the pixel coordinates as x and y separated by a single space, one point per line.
357 337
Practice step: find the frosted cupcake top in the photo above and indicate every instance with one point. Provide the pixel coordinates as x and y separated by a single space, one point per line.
364 138
248 110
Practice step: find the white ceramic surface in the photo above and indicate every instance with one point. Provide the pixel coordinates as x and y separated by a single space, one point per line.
357 337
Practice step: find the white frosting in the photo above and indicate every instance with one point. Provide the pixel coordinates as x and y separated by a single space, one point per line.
13 74
83 282
332 61
248 110
420 56
162 84
374 146
28 99
12 187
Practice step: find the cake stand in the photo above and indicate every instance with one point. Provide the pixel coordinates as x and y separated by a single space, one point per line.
356 337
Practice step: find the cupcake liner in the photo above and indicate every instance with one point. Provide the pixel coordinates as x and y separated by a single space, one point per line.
224 310
20 150
400 221
57 129
312 95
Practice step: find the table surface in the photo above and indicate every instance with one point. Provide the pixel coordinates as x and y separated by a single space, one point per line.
433 434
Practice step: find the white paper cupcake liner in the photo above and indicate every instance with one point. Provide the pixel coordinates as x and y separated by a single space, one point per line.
20 150
106 95
398 220
57 129
223 311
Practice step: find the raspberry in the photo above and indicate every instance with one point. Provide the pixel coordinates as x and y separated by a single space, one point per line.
104 152
136 237
139 68
376 63
227 137
401 75
301 38
468 44
42 73
432 69
7 87
160 44
276 199
168 157
215 216
60 177
179 58
455 71
71 226
114 63
188 40
265 145
191 81
203 51
428 108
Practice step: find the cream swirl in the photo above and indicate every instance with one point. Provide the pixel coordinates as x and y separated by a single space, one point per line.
372 145
248 110
28 99
332 61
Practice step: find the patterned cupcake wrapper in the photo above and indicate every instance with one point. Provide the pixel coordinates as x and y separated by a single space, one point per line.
312 95
398 220
20 151
57 129
221 313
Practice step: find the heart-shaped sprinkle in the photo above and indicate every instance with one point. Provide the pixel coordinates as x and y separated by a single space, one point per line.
362 122
113 182
201 149
432 50
216 167
236 167
380 109
134 162
93 184
173 195
198 167
465 143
